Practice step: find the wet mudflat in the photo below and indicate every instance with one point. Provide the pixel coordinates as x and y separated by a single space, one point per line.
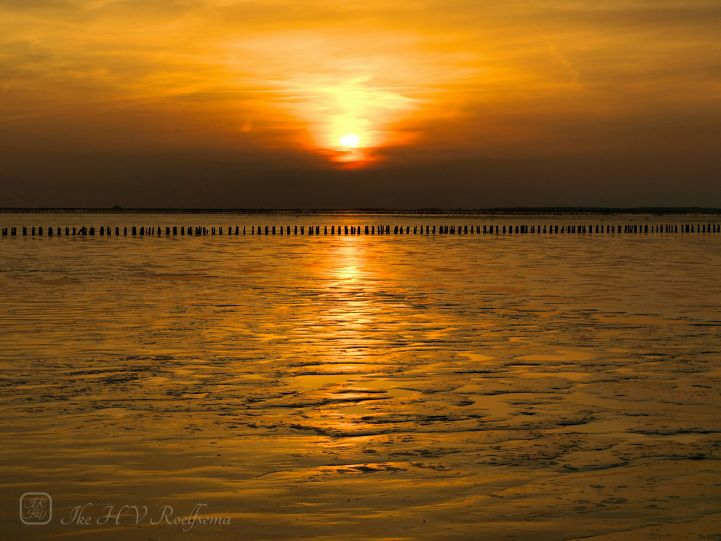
531 387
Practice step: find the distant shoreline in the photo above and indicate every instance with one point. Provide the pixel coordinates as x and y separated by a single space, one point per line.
658 211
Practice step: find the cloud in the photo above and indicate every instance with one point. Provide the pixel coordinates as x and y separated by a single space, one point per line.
428 82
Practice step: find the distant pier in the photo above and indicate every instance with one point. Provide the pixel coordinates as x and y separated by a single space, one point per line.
309 230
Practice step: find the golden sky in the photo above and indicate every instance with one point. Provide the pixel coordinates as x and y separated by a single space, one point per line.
106 101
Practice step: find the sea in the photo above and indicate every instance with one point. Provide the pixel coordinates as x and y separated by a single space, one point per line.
535 386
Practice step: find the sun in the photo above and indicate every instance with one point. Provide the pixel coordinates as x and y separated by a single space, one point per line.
349 141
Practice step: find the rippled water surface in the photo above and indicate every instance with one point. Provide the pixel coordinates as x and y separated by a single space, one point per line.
358 387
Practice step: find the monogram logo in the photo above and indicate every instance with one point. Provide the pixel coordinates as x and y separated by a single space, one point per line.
36 508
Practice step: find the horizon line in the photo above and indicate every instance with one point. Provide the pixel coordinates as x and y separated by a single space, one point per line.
117 209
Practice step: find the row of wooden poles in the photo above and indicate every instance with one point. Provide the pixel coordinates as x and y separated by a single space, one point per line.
474 229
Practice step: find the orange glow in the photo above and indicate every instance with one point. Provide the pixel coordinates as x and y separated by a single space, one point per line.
354 84
351 120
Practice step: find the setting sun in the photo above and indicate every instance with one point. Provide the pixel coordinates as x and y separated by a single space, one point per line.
349 140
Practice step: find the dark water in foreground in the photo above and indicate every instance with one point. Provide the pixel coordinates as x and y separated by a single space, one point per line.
526 387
